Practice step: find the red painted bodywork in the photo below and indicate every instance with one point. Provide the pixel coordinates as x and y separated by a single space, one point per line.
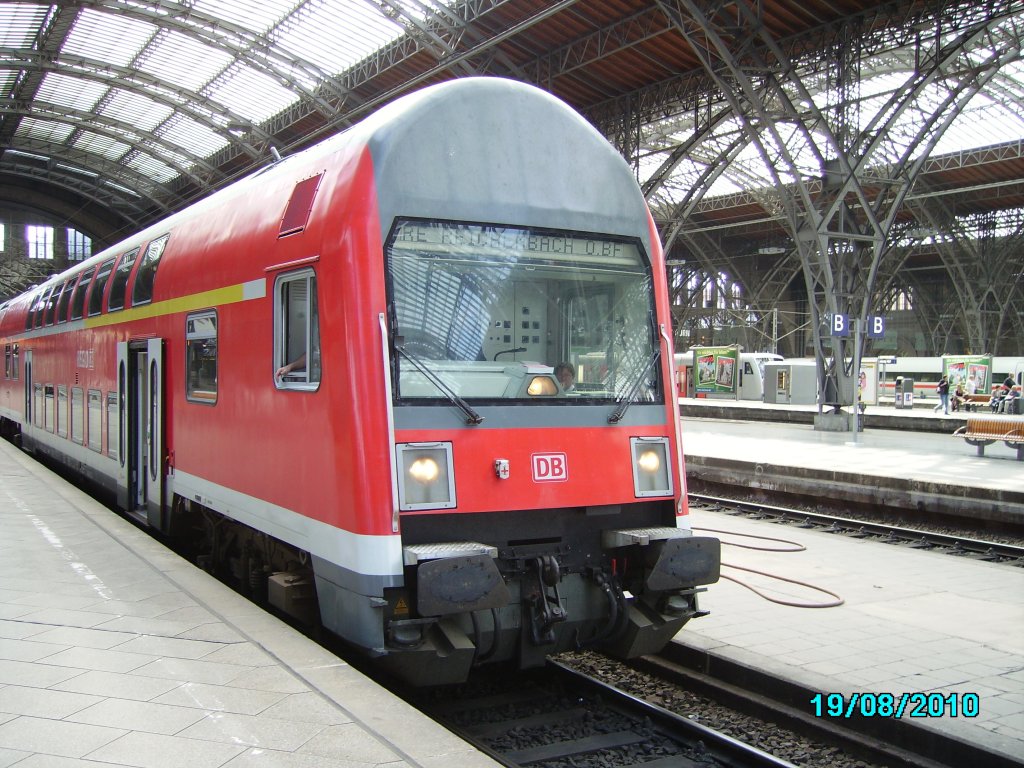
323 454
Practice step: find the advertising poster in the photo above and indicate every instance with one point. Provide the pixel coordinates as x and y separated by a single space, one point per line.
716 369
867 383
972 372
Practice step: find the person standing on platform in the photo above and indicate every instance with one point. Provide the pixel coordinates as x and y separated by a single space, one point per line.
942 388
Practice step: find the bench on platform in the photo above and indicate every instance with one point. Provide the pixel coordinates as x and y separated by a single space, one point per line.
985 430
975 402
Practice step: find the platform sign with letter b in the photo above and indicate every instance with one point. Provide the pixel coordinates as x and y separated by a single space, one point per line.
840 325
876 327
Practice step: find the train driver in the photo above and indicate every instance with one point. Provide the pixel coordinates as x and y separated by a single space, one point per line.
566 375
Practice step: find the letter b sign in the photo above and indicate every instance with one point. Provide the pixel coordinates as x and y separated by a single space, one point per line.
840 325
876 327
550 467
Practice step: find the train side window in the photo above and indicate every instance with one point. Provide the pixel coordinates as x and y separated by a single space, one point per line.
32 310
49 311
37 404
78 415
142 291
296 332
15 356
113 425
201 357
7 361
62 410
78 297
94 422
41 308
49 407
64 300
99 283
119 282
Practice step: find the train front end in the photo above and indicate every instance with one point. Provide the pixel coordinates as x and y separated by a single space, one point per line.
537 472
537 478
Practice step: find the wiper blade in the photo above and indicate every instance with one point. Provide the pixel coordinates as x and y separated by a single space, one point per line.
627 401
472 417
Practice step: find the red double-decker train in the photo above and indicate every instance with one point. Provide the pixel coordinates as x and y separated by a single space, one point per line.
418 376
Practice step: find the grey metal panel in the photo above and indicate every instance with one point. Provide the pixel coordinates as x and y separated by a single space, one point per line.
447 416
499 151
352 581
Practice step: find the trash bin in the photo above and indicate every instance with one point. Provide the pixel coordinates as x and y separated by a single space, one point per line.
904 397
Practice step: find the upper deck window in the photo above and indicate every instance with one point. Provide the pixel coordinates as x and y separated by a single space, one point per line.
61 313
78 297
490 312
99 284
32 307
119 282
43 307
142 292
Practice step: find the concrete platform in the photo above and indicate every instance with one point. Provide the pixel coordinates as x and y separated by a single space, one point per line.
911 622
911 457
114 651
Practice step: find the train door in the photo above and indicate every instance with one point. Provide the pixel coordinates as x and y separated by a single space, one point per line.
140 399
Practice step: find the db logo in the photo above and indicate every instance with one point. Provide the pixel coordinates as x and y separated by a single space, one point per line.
550 467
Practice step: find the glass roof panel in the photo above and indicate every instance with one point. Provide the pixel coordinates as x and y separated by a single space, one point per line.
255 15
107 37
357 30
7 80
251 94
71 92
135 109
47 130
150 167
109 147
183 61
20 23
196 140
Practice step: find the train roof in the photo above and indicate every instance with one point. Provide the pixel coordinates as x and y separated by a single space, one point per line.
434 151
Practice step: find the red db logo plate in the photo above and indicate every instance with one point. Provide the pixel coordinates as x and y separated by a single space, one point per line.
550 467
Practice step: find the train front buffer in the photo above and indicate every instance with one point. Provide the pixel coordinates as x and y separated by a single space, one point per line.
518 585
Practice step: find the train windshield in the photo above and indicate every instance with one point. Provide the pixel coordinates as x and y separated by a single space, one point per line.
491 312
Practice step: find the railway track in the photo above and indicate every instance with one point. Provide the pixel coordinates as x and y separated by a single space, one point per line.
786 704
916 538
558 717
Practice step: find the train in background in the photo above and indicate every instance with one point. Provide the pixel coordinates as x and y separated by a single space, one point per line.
413 382
750 376
755 381
926 372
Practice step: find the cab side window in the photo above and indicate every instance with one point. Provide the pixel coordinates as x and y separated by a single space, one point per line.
296 331
201 357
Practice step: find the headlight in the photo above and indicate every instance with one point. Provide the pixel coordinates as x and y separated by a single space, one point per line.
649 461
652 471
425 470
426 479
542 385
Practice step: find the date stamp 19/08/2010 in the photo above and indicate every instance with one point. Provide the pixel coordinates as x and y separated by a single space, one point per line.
895 705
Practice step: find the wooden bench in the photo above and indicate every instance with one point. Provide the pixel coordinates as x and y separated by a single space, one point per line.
985 430
975 402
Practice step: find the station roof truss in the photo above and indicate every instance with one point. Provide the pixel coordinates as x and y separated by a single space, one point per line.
140 107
